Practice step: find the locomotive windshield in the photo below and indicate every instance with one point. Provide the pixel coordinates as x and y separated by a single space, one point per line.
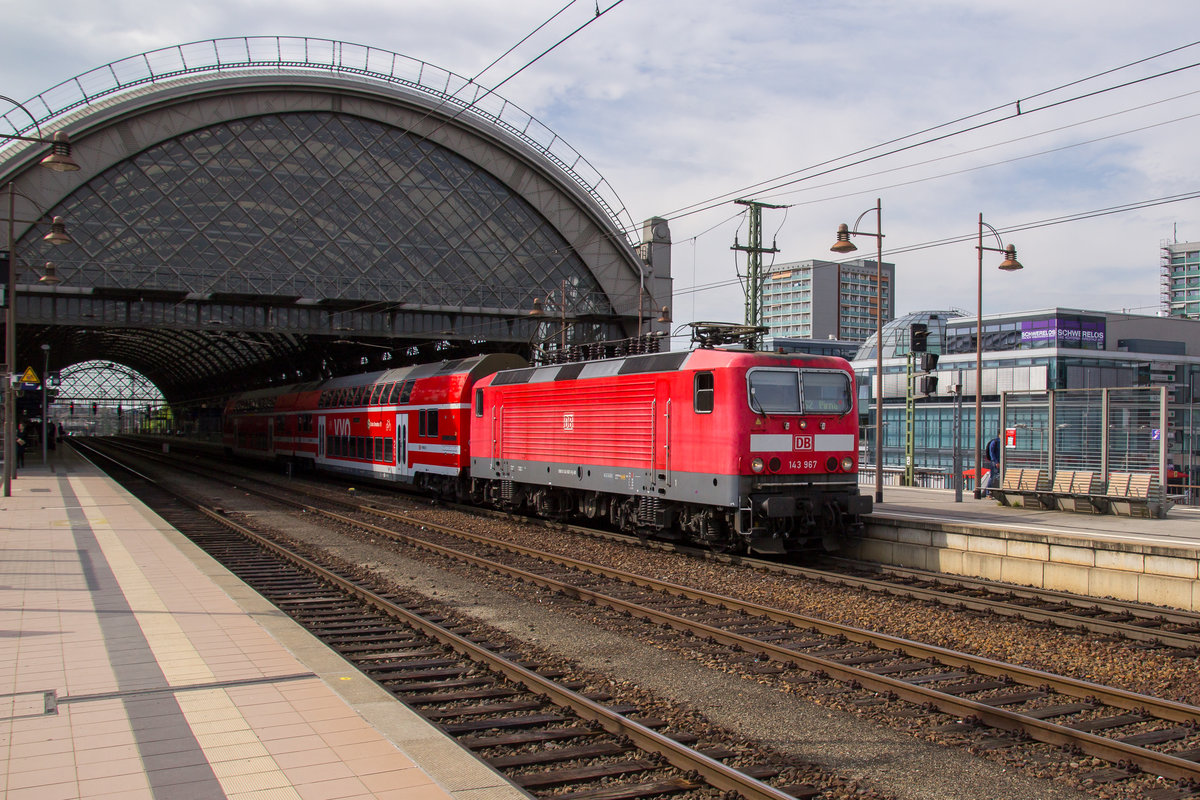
791 391
825 392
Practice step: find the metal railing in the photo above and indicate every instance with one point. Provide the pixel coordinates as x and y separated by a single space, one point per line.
1184 494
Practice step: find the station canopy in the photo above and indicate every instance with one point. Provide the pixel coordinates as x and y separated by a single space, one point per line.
257 211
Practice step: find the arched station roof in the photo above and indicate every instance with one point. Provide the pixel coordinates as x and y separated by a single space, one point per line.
261 210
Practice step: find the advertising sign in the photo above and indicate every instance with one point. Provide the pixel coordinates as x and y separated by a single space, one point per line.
1065 332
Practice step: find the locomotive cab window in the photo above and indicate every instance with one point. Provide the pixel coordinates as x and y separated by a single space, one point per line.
790 391
703 399
479 402
825 392
774 391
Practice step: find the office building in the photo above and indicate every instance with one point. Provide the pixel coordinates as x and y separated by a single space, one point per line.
825 299
1180 281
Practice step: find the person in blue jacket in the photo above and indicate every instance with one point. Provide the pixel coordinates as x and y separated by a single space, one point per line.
991 460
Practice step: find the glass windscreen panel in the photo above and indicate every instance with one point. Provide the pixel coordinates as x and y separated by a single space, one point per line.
791 391
826 392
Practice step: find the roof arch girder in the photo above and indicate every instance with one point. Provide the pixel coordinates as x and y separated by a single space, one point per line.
608 280
107 137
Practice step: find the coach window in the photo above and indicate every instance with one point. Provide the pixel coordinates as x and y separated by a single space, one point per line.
378 448
703 399
387 450
433 422
394 394
406 391
375 394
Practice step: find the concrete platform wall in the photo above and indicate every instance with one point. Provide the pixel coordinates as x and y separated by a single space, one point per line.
1126 571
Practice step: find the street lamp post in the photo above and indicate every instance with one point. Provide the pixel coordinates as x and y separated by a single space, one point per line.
844 245
1009 264
45 375
59 160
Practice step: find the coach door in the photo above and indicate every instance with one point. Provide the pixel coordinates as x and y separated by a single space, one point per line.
402 468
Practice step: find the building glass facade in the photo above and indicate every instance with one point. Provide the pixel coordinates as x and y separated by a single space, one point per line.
1055 349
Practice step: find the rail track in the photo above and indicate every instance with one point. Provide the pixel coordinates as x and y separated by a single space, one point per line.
1130 731
543 729
1151 626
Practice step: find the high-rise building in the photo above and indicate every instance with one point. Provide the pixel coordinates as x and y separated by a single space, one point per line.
825 299
1181 279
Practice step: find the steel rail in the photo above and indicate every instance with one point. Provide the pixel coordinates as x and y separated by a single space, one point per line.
678 755
1108 749
1139 610
1064 619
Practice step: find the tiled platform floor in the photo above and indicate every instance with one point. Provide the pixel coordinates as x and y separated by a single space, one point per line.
133 666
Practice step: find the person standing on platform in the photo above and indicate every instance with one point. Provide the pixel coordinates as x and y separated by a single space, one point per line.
991 461
20 447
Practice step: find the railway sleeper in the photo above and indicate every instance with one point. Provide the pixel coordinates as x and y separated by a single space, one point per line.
561 777
529 721
558 754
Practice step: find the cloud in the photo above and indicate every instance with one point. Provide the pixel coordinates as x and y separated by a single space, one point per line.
677 102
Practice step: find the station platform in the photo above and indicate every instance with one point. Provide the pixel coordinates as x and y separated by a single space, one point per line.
1149 561
134 666
1180 528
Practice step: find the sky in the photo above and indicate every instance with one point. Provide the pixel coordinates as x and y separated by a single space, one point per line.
686 105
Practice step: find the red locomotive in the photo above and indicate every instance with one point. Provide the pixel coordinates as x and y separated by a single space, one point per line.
732 449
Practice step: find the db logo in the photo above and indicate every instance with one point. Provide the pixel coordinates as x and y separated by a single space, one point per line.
804 442
568 422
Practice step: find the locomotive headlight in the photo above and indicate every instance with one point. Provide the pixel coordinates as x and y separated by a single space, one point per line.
757 465
847 464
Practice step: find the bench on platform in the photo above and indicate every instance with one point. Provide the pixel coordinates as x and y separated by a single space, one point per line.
1074 490
1134 493
1024 485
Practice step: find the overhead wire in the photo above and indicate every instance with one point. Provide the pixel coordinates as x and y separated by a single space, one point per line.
780 181
982 148
1015 228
